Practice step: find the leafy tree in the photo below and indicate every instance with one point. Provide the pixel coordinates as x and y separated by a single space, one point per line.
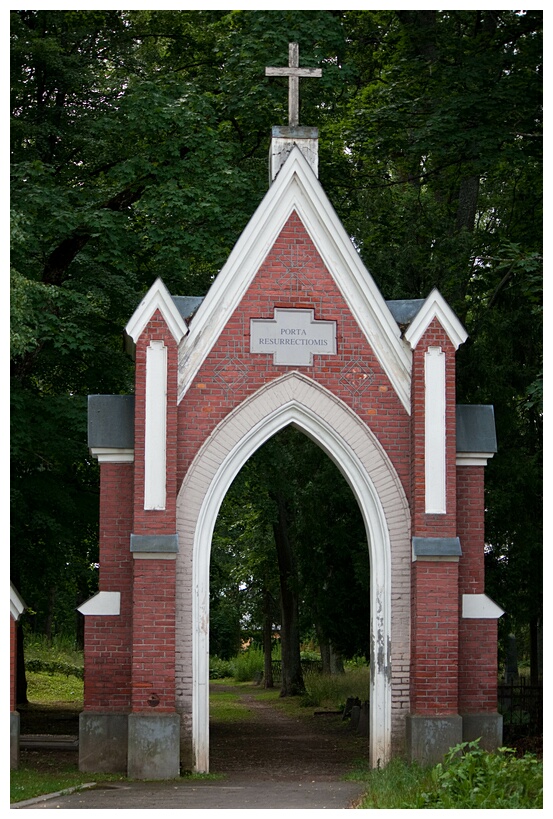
138 146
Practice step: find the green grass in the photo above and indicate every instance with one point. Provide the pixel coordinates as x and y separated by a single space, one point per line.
49 688
225 706
27 782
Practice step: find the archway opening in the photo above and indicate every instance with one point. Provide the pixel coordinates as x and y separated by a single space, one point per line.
289 590
297 400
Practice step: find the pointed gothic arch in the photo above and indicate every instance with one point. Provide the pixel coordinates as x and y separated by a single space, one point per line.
295 399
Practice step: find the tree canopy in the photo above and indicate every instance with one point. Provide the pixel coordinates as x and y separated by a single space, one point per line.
139 149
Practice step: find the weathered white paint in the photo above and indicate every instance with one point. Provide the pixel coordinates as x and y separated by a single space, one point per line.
434 431
295 399
155 434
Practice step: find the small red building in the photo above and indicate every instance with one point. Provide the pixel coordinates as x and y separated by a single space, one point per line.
293 331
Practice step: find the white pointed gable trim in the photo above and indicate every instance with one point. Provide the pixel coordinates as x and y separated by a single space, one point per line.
157 298
296 188
17 605
436 306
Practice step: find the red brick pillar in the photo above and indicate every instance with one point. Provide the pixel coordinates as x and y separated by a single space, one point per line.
435 643
154 726
434 724
478 618
108 638
108 630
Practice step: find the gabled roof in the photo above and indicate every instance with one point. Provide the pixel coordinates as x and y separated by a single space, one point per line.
157 298
296 188
435 306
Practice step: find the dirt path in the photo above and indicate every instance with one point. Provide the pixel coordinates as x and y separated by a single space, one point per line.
273 745
269 745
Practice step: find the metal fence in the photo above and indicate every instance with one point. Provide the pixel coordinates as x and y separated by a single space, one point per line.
522 707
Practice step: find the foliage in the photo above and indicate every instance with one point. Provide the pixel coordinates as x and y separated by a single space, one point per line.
219 669
248 664
333 690
472 778
55 667
469 778
138 149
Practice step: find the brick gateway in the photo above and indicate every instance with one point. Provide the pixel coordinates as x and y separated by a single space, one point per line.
293 331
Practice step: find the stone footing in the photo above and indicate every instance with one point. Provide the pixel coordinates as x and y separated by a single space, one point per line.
103 740
486 727
14 739
430 738
154 746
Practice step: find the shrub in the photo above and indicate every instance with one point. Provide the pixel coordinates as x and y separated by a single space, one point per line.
470 777
332 690
247 664
219 669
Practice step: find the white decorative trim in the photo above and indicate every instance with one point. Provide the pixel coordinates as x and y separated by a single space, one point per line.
296 188
155 433
157 298
104 603
473 458
17 606
434 431
436 306
297 400
480 607
112 455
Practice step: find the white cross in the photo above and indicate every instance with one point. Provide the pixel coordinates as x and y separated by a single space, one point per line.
293 337
293 72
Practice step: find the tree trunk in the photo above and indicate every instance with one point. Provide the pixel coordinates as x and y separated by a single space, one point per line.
268 681
324 648
292 677
534 658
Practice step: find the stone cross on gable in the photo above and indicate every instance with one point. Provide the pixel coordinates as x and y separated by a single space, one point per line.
293 72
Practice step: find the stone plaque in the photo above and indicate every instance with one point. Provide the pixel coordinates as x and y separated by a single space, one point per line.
293 337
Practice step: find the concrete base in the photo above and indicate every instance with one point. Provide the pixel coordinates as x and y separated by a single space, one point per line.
430 738
154 746
103 740
14 739
486 727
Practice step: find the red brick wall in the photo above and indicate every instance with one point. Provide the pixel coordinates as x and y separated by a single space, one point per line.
477 666
13 663
153 661
108 640
434 638
470 525
432 525
230 373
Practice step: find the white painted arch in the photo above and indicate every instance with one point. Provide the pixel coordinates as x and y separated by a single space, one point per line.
297 400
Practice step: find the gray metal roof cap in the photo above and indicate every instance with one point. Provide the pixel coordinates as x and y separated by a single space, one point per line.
111 421
475 428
